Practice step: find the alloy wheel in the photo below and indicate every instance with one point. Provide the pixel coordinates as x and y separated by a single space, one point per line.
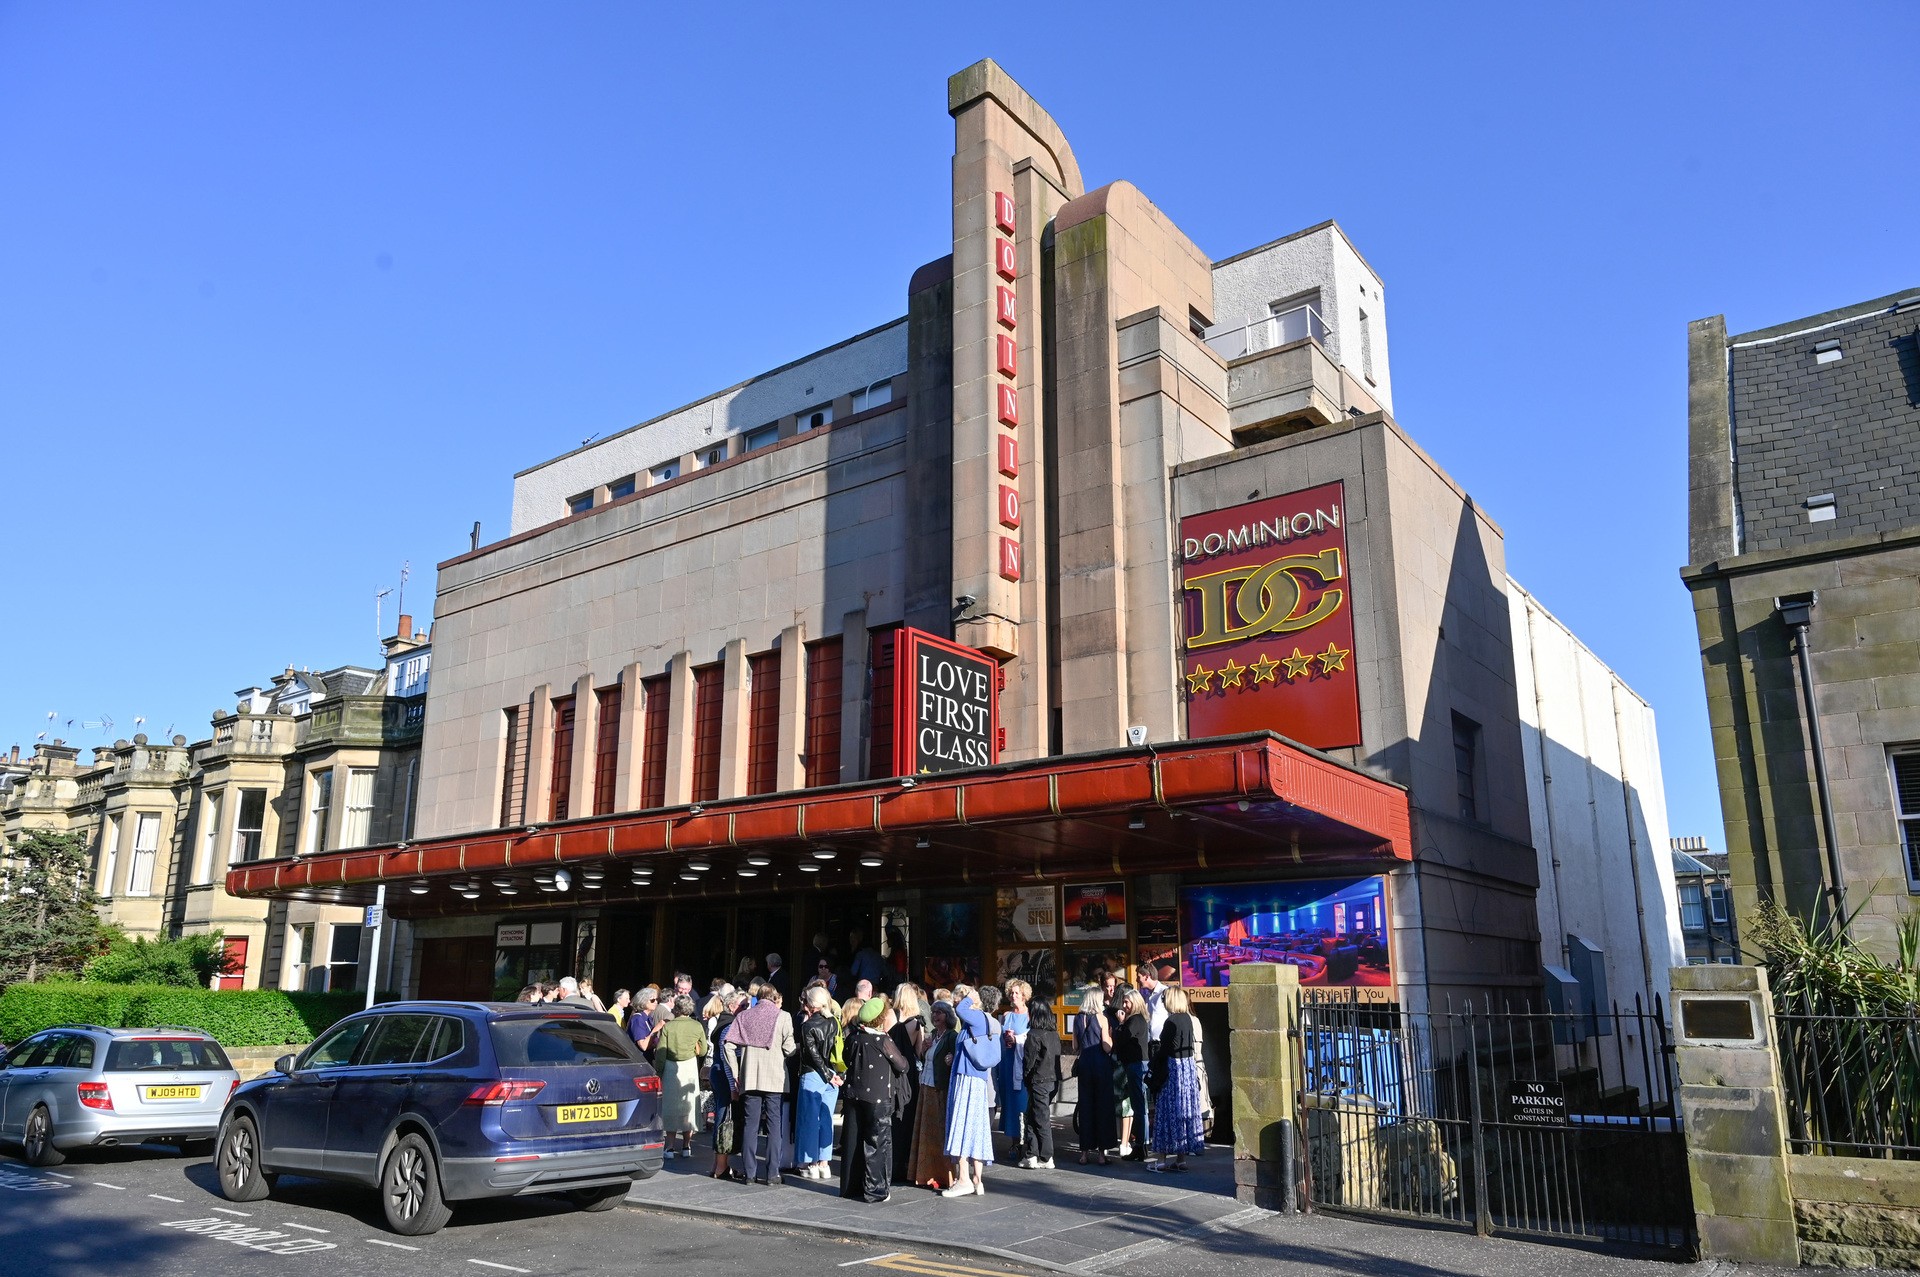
236 1159
38 1128
408 1185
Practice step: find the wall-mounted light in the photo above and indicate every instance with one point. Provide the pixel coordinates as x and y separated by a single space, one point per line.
562 879
1136 822
532 830
695 810
908 782
922 843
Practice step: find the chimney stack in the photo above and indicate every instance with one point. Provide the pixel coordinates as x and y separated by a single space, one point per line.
406 626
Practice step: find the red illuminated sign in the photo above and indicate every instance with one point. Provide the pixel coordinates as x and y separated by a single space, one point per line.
1006 355
1009 409
1269 620
1009 558
1003 259
1009 456
1003 211
1009 506
1005 309
947 706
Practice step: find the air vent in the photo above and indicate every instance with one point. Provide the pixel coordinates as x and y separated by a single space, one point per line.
1820 509
1827 352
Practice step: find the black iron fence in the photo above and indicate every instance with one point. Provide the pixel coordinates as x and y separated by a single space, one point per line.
1501 1121
1852 1079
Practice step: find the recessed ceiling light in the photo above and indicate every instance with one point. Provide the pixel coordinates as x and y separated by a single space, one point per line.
824 853
749 873
418 886
509 891
872 861
503 882
759 862
593 873
689 877
698 866
809 869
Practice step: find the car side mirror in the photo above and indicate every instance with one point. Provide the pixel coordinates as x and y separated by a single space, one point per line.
284 1065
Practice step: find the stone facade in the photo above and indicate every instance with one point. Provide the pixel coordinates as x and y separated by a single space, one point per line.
1798 438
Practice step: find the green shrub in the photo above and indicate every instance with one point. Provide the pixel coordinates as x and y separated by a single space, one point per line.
190 961
236 1017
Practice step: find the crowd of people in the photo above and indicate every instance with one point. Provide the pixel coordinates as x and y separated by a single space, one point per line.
921 1081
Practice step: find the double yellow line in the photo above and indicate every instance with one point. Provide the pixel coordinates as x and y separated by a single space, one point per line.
909 1263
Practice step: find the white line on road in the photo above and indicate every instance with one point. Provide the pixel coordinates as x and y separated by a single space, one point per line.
118 1188
58 1175
870 1259
375 1241
175 1200
305 1228
488 1263
224 1211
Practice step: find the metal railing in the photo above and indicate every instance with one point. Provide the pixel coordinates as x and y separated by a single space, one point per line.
1283 329
1852 1079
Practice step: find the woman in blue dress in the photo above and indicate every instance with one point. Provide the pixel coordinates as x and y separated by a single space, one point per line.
1093 1112
1178 1124
1009 1081
970 1095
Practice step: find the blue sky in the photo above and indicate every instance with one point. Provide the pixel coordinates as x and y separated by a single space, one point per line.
288 292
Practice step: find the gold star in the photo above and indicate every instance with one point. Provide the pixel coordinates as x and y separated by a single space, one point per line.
1263 669
1230 674
1199 678
1332 659
1298 666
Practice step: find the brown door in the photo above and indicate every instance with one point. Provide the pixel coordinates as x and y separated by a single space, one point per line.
457 969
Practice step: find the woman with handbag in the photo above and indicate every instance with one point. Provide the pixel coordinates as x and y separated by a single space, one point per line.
1009 1078
927 1162
1177 1124
1094 1111
970 1095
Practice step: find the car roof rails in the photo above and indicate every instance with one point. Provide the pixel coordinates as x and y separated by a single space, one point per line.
95 1027
180 1028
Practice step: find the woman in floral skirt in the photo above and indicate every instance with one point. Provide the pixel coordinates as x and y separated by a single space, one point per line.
1177 1128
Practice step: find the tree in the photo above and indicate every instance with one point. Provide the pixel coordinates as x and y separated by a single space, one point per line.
48 924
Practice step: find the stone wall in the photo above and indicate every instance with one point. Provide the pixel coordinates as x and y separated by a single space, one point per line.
1856 1212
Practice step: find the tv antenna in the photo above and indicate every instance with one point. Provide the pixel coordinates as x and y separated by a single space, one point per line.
379 626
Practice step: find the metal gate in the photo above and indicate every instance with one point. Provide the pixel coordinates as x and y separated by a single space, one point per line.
1517 1122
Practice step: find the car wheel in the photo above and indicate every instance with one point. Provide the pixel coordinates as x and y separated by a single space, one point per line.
37 1142
606 1197
410 1189
238 1163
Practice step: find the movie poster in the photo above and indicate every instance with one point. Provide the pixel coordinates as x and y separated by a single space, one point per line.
1035 966
952 945
1095 911
1156 932
1335 930
1025 915
1087 967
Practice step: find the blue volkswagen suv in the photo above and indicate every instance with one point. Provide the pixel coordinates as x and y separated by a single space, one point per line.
433 1103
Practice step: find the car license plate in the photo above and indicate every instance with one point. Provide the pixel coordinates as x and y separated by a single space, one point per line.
170 1092
589 1112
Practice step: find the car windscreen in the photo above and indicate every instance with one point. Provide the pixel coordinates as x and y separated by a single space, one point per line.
532 1043
134 1055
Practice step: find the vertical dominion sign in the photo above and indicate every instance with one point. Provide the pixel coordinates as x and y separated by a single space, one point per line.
948 700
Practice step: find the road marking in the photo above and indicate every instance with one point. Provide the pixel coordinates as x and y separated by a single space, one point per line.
907 1262
261 1239
375 1241
58 1175
221 1210
871 1259
488 1263
118 1188
305 1228
175 1200
21 1182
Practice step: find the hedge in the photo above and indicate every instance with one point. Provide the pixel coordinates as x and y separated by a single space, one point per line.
237 1017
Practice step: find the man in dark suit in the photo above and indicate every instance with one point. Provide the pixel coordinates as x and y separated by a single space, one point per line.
777 977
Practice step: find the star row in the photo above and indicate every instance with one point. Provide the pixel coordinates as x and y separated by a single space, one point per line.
1266 669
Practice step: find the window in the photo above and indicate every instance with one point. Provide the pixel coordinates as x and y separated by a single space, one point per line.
137 1055
249 826
75 1051
763 723
653 757
300 944
880 702
413 1039
760 437
580 504
1717 901
1366 348
109 853
209 838
823 712
560 785
1906 797
814 418
1466 766
512 769
358 830
343 956
714 455
665 472
146 848
870 397
1692 914
37 1053
337 1047
520 1044
606 748
319 809
621 488
708 685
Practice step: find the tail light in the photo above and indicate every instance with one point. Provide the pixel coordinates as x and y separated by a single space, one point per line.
493 1094
231 1088
94 1095
648 1085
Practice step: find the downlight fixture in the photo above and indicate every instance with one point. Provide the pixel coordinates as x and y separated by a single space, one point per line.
872 860
759 862
418 886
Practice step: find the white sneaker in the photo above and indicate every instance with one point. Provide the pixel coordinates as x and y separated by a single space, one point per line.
1043 1164
1126 1149
958 1190
1025 1164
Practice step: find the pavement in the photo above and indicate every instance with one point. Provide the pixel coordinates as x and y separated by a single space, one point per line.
1123 1219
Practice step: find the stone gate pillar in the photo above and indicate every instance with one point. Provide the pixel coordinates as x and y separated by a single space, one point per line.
1263 1008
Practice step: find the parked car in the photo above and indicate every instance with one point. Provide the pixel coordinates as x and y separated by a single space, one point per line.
433 1103
80 1086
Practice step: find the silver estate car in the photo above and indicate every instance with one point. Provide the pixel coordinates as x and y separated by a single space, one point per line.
79 1086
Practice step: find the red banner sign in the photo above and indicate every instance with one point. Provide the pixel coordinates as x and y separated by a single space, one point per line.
1269 620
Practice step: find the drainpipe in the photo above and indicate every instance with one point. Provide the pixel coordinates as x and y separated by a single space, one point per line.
1796 613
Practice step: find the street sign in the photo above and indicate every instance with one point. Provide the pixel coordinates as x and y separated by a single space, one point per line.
1536 1104
373 917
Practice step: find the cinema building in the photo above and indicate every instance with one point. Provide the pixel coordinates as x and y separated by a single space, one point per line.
1096 611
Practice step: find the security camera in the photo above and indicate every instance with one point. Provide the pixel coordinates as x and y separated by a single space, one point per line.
965 600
